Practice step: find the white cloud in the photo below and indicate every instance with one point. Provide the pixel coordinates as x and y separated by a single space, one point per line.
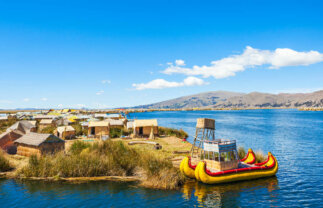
179 62
26 99
161 83
250 58
100 92
106 82
44 99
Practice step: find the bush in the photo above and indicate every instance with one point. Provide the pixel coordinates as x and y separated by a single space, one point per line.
108 158
4 163
48 130
116 132
79 131
241 152
78 146
172 132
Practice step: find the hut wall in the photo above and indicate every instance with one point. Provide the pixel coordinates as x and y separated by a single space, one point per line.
51 147
99 130
26 150
42 126
146 130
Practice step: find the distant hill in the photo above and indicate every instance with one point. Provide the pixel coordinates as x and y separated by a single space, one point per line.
224 99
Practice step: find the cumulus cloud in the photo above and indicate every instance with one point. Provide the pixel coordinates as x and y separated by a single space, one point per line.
179 62
161 83
251 57
44 99
26 99
100 92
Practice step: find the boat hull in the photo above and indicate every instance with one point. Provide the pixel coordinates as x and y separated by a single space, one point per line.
187 168
261 170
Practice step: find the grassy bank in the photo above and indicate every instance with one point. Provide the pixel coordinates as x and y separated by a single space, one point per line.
106 159
4 163
164 131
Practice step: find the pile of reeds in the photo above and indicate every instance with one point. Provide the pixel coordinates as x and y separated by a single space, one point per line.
260 156
108 158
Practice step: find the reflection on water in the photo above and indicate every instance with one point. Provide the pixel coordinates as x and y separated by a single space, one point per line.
228 195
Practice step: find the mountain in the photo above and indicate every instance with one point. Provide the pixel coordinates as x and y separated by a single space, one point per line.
224 99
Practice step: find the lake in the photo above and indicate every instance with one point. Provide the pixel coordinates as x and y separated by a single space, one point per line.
294 137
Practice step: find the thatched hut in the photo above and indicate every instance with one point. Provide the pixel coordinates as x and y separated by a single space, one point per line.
23 127
38 144
99 128
44 123
118 124
7 140
65 132
143 127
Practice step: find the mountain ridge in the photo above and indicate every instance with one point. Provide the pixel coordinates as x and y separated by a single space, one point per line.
227 99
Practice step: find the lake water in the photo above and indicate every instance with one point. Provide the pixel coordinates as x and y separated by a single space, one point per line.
294 137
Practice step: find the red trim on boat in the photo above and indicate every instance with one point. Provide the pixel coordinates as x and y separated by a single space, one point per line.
190 164
262 163
220 173
243 159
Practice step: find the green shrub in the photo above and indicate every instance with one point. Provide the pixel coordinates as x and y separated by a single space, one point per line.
241 152
108 158
116 132
78 146
48 130
4 163
172 132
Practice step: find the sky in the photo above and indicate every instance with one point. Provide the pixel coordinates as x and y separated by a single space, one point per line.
108 54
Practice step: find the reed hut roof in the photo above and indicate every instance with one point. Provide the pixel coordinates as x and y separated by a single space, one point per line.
145 122
33 122
36 139
113 115
44 117
23 126
61 129
98 123
113 122
46 121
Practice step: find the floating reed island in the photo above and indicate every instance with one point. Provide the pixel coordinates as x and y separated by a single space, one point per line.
77 146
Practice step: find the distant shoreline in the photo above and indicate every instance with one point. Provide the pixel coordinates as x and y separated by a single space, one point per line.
131 110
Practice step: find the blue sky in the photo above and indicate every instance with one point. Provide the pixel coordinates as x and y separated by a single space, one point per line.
101 54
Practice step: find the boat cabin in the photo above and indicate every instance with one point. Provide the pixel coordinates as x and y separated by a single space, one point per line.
220 154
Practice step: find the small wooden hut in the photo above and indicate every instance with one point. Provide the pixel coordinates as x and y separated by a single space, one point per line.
98 128
38 144
65 132
143 127
44 123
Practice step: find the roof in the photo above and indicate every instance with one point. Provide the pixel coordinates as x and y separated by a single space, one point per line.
33 122
61 129
23 126
44 116
98 123
3 117
145 122
113 122
113 115
46 121
98 115
36 139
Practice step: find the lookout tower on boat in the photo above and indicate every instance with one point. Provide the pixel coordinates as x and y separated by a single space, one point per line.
205 128
220 154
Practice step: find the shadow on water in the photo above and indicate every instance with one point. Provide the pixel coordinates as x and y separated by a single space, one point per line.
231 194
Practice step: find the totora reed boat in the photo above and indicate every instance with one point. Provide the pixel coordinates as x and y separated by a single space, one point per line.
216 161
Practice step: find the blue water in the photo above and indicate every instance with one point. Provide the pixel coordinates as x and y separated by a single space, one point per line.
294 137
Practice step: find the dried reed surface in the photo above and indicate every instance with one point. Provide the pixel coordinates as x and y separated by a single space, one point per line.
260 157
4 163
109 158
